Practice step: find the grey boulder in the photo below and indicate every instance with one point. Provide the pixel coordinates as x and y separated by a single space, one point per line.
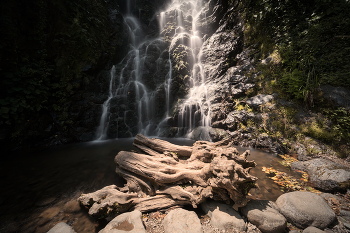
130 221
223 216
61 227
258 100
182 221
325 174
304 209
313 230
265 216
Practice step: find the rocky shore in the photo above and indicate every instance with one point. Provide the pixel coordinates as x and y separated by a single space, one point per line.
292 212
131 209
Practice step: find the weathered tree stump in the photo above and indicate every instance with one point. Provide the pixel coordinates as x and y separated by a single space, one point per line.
162 178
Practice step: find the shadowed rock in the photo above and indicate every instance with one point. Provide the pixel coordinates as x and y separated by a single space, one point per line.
223 216
265 216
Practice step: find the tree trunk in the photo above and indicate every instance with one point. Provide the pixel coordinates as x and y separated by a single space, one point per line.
162 146
161 179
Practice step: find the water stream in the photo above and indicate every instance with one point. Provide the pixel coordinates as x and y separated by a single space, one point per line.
46 182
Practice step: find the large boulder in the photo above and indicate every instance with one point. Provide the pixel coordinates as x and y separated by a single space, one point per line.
130 221
265 216
324 174
304 209
223 216
180 220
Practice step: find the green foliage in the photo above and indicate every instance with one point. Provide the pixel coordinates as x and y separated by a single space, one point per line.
316 130
313 39
44 46
242 106
312 43
340 118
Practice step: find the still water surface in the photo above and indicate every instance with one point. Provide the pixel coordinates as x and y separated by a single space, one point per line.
39 187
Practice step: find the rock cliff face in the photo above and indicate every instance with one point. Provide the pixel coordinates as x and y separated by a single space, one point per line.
85 110
177 69
184 68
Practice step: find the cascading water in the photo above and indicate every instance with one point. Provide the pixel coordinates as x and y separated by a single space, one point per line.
195 109
103 127
131 100
140 100
167 88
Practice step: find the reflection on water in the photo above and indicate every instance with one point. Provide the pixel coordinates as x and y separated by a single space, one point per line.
268 190
40 187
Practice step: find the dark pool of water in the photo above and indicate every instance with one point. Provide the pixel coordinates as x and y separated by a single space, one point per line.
39 187
267 189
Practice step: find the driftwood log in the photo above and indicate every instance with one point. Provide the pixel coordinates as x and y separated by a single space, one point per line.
171 175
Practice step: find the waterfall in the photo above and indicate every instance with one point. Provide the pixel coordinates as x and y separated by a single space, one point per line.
140 100
167 88
131 101
103 127
195 108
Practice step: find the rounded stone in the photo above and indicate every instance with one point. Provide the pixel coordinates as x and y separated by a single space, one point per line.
223 216
126 222
304 209
313 230
265 216
184 221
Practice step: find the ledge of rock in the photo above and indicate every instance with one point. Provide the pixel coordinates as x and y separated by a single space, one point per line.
324 174
180 220
304 209
126 222
223 216
265 216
